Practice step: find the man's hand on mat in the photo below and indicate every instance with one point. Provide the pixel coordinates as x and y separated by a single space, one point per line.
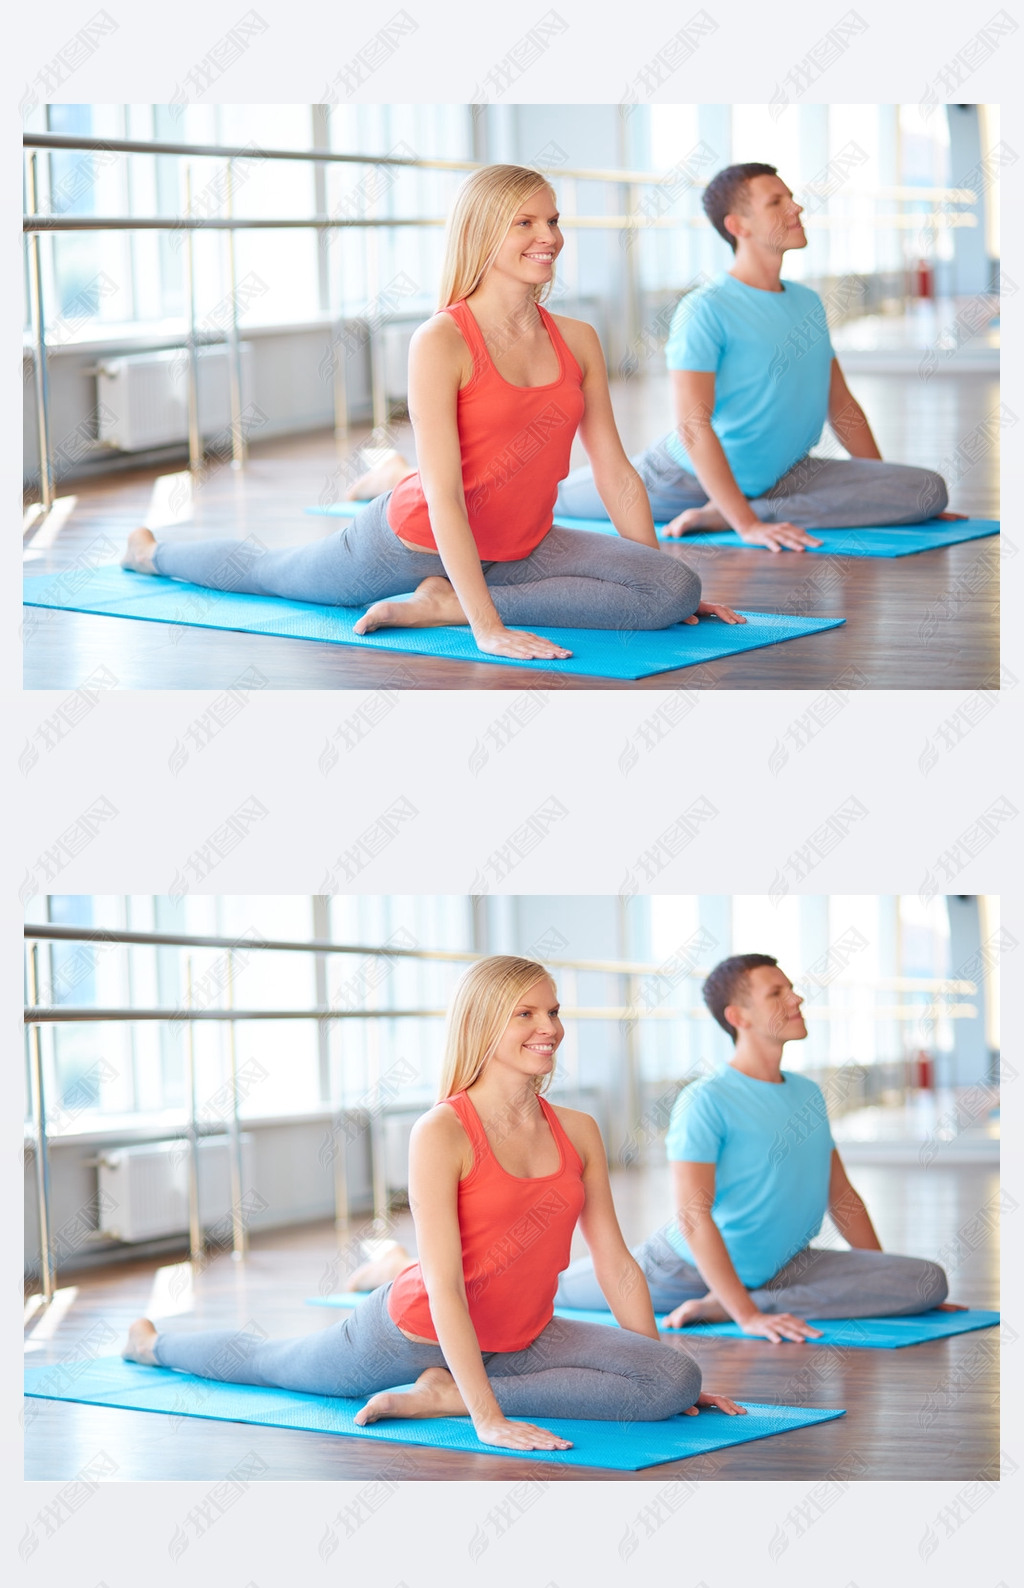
778 1326
520 644
720 1403
778 537
519 1436
711 609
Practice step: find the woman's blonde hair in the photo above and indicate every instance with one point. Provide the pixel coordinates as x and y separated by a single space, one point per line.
482 1006
485 207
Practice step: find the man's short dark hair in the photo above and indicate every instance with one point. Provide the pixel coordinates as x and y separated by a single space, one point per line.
724 194
727 985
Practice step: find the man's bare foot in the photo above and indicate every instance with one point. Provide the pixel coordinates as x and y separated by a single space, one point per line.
381 1269
703 1309
138 555
433 604
706 517
141 1338
435 1394
384 476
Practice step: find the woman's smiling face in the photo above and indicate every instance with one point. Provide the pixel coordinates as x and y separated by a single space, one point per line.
530 1040
533 241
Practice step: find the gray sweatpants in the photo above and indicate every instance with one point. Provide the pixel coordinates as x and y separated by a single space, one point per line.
816 493
573 579
571 1370
816 1283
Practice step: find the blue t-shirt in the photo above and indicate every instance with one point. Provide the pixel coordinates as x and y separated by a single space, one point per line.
772 1150
772 359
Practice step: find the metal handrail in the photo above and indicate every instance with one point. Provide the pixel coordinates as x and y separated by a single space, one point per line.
51 931
241 151
86 1014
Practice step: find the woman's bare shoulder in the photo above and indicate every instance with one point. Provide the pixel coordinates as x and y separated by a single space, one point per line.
439 1144
582 1129
581 338
440 344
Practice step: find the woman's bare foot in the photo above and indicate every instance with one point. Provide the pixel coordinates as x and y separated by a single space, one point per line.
435 1394
384 476
706 517
138 555
141 1339
703 1309
433 604
386 1265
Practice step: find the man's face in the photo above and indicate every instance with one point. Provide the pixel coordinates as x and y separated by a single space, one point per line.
770 1007
769 215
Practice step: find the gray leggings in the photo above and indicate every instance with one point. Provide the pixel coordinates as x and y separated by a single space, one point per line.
818 493
571 1370
816 1283
573 579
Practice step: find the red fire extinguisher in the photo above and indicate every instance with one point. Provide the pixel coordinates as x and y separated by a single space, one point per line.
924 1071
925 279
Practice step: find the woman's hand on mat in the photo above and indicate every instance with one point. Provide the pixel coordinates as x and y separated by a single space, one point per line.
778 537
711 609
519 644
720 1403
951 1306
778 1326
953 517
518 1436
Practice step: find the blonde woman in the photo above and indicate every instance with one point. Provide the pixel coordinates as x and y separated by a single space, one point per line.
498 388
498 1178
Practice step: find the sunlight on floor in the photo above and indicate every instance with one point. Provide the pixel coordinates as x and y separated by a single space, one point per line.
172 500
173 1291
50 525
51 1317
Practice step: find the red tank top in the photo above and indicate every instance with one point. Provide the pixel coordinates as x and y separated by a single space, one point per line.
515 443
516 1235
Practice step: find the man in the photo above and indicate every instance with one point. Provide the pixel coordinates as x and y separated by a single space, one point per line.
754 1170
754 378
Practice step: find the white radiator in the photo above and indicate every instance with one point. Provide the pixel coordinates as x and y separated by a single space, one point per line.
144 1190
397 1130
143 399
395 340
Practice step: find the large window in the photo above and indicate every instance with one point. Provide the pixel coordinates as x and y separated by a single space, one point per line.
869 967
112 1071
116 280
853 167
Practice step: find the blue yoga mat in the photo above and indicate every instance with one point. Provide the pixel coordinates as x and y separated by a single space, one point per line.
114 592
877 1334
878 540
626 1446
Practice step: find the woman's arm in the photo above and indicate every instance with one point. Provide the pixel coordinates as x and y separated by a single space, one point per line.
618 484
439 1154
437 363
617 1272
694 395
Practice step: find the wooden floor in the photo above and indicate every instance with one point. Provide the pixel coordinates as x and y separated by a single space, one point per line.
924 1412
924 622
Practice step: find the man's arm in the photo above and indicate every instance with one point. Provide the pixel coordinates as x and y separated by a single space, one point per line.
848 419
849 1215
694 397
694 1185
